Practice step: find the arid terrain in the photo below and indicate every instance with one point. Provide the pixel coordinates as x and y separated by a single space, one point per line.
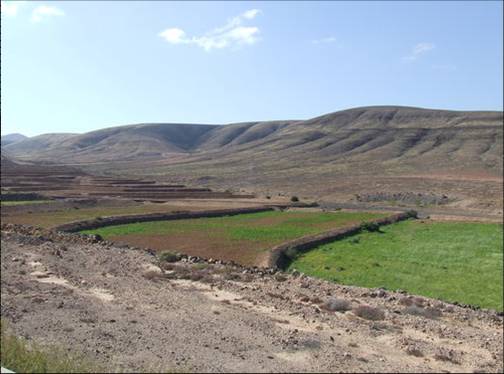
115 305
334 157
149 247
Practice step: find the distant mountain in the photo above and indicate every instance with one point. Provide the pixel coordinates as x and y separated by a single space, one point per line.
12 138
382 133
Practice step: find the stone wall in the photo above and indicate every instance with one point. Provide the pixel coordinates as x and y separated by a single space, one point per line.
121 220
281 255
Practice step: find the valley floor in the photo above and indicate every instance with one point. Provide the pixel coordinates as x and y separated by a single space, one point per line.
113 305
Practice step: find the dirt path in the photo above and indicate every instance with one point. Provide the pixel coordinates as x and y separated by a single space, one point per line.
112 304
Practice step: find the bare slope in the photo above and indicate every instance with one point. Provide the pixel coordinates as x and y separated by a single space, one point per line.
383 133
360 150
12 138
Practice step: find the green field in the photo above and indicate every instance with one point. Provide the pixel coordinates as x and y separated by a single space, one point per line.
268 227
451 261
240 237
24 202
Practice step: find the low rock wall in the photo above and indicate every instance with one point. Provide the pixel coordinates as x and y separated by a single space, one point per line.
121 220
281 255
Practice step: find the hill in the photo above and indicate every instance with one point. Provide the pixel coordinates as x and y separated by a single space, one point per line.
388 132
12 138
337 155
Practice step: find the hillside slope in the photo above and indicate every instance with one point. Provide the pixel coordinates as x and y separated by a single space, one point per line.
12 138
337 155
384 133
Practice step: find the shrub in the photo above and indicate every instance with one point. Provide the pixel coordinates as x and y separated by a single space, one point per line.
412 213
431 313
196 276
280 278
152 274
247 278
232 276
167 266
370 226
336 305
168 257
369 312
294 199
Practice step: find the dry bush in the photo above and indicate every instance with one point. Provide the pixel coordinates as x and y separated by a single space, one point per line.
410 300
406 301
167 256
152 275
336 305
428 312
196 276
316 300
232 276
447 355
207 278
166 266
280 278
414 351
247 278
370 313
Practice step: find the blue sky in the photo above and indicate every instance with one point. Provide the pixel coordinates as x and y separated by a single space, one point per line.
81 66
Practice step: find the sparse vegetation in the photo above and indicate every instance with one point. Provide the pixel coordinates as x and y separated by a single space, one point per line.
428 312
369 312
451 261
22 356
167 256
152 275
336 305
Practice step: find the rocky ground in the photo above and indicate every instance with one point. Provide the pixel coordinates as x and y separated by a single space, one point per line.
128 311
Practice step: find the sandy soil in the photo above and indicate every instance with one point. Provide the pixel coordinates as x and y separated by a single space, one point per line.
112 304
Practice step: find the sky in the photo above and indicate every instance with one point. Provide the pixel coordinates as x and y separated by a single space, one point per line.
81 66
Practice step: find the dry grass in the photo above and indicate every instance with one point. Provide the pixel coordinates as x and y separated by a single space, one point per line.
336 305
370 313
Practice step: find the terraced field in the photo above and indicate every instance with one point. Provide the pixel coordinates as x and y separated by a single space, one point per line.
23 202
452 261
242 238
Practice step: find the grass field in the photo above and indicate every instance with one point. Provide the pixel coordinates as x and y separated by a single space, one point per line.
24 202
452 261
240 238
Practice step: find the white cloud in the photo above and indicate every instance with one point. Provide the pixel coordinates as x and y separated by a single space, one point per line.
233 33
329 39
174 35
42 11
249 14
10 8
419 50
